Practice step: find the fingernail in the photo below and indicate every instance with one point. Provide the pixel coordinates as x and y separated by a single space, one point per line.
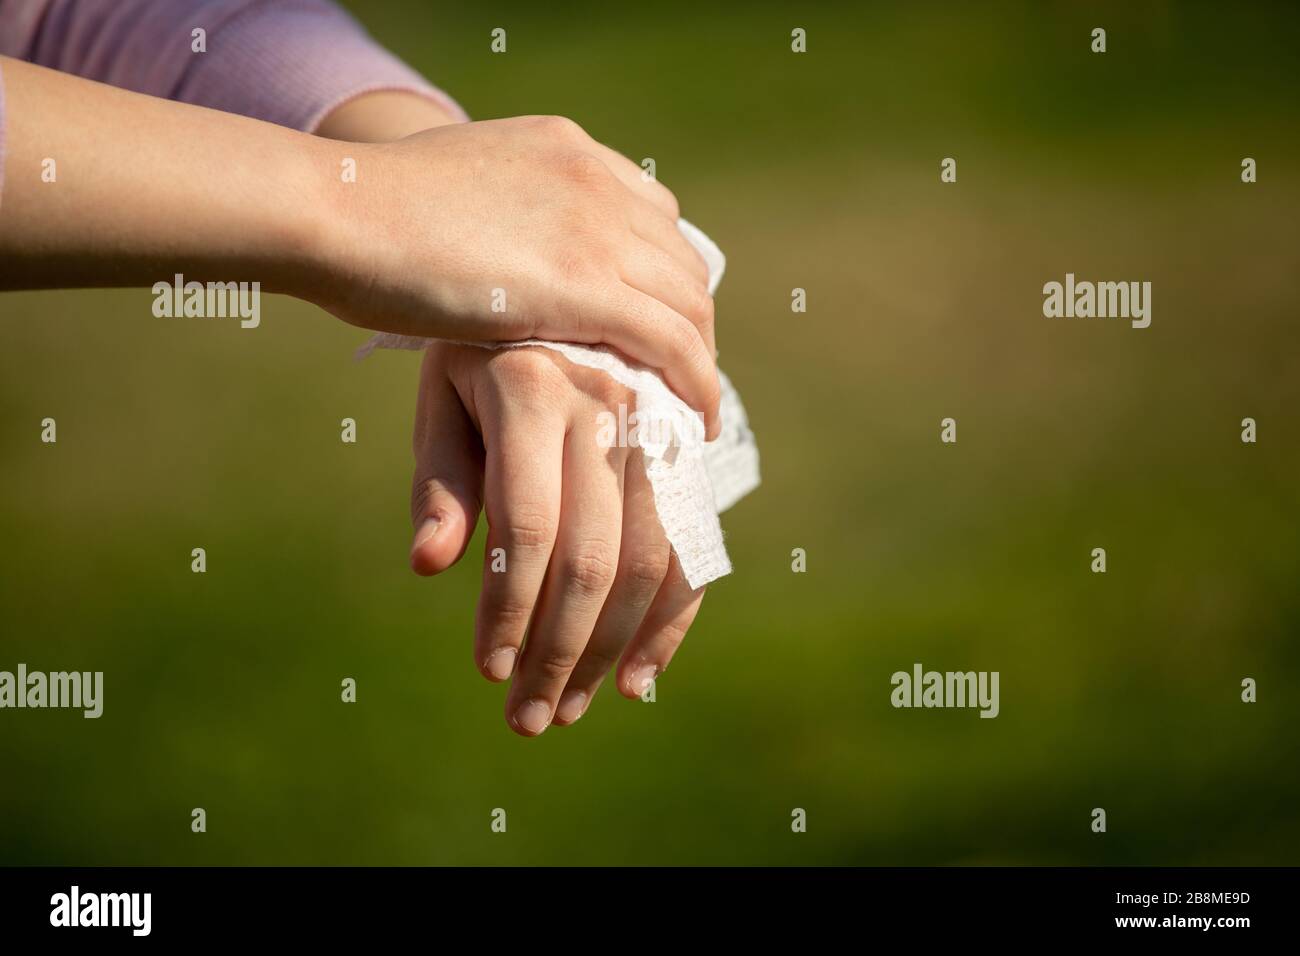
501 663
642 677
533 717
427 531
572 706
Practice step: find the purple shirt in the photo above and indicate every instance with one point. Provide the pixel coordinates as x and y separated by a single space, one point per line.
289 62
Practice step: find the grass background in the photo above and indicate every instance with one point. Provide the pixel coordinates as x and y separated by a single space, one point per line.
819 171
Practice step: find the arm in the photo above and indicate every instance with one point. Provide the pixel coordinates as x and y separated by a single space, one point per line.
434 225
144 187
577 522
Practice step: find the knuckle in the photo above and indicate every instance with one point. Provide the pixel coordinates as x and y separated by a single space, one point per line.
583 168
681 338
689 347
555 662
700 269
589 571
599 660
702 307
505 612
528 364
559 127
646 572
529 528
528 369
673 633
670 202
605 393
713 393
614 398
421 498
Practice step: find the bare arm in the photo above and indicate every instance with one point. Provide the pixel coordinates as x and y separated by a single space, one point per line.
109 188
494 231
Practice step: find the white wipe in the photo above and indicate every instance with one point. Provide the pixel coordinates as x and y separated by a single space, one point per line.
692 480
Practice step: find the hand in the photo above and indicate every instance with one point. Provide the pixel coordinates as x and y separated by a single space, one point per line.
588 573
441 224
583 249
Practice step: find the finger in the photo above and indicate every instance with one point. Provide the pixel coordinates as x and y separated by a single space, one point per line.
581 572
650 225
638 180
643 562
653 334
448 479
522 480
660 634
651 270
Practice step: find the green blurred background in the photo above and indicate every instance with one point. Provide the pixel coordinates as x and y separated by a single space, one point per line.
819 171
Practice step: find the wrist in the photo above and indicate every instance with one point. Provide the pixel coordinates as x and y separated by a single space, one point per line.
333 230
339 228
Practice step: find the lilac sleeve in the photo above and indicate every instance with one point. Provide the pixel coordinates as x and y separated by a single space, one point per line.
2 134
289 62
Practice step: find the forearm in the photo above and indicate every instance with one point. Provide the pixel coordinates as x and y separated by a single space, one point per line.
417 237
140 188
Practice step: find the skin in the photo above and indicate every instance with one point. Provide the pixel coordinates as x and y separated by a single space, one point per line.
584 248
590 583
589 577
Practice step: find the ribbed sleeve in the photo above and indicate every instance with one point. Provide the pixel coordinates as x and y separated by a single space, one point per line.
2 136
292 63
285 61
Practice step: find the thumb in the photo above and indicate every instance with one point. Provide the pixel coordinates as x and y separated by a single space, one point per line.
447 487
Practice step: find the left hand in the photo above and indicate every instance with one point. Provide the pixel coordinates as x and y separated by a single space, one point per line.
588 575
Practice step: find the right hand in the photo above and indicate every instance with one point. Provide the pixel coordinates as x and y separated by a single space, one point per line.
584 249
